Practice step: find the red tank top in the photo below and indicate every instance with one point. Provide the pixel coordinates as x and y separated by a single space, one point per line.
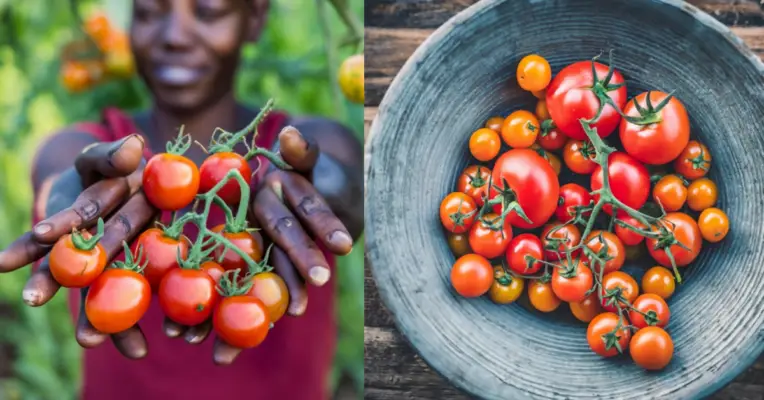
293 363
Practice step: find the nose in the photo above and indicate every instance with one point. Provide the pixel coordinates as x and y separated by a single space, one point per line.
177 33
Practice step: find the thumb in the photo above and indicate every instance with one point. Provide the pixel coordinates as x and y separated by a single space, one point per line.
110 159
297 150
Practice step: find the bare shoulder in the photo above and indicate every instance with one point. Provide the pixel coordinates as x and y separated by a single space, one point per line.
332 137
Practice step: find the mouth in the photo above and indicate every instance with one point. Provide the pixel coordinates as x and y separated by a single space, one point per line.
178 76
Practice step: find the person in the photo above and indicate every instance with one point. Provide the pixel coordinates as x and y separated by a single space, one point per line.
187 52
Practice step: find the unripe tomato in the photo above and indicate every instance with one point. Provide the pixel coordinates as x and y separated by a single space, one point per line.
351 78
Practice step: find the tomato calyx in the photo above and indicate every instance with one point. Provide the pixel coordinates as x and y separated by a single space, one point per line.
475 180
508 199
570 269
132 261
458 218
81 243
601 87
547 126
612 338
649 114
234 286
700 162
181 144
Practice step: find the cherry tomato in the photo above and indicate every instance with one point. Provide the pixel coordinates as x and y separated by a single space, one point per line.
350 78
542 296
652 305
627 236
541 112
629 181
685 230
457 212
170 181
579 156
555 162
485 144
586 309
663 129
603 333
551 140
488 240
494 123
505 288
272 291
572 195
520 129
621 284
651 348
213 269
474 182
702 194
187 296
694 161
117 300
241 321
459 244
608 247
519 248
215 168
570 98
539 94
670 192
97 26
244 241
160 253
557 239
533 73
472 275
532 183
73 267
714 224
570 282
76 77
659 281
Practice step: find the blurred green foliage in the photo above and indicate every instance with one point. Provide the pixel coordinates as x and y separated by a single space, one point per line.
293 62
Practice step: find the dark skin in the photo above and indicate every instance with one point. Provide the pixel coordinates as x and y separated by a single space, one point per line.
316 202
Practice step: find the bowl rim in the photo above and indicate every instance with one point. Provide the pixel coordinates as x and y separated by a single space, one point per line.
389 99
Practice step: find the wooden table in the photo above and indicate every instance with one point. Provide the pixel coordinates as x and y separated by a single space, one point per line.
393 31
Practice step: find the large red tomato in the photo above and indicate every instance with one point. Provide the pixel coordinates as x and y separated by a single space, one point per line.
629 181
532 182
658 131
573 95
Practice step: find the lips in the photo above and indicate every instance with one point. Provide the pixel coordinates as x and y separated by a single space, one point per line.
178 76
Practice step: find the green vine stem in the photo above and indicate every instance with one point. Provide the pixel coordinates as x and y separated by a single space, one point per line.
233 286
331 53
181 144
132 262
81 243
355 27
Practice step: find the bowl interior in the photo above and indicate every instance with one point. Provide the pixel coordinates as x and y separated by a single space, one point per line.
464 74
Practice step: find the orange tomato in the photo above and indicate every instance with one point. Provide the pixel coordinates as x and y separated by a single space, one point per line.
457 212
685 230
520 129
75 77
73 266
586 309
714 224
244 241
571 282
485 144
472 275
534 73
97 26
651 348
694 161
658 313
494 123
604 333
272 291
659 281
670 192
618 288
579 156
505 288
702 194
541 111
608 247
542 296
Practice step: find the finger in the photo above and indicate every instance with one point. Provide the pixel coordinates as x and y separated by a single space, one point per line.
41 286
126 223
223 353
282 228
297 150
86 335
109 160
298 294
131 343
314 211
197 334
23 251
173 329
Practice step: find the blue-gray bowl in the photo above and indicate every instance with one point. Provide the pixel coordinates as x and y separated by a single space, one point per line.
463 74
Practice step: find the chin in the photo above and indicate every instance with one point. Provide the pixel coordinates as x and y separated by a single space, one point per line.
181 101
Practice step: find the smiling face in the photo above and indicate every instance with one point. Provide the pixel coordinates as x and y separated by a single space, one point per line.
187 51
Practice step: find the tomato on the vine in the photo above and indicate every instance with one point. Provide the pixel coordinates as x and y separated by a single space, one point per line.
670 193
485 144
618 288
575 93
105 304
494 123
649 310
213 269
488 237
607 247
656 128
684 230
702 194
551 139
542 296
474 182
533 73
241 321
571 282
160 253
272 291
77 259
471 275
459 244
651 348
572 195
604 332
505 288
520 129
170 181
187 296
533 184
586 309
629 181
714 224
520 248
558 238
628 236
579 156
244 241
215 168
659 281
694 161
458 212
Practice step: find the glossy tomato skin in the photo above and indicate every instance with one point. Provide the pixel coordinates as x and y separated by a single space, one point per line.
552 140
472 275
170 181
569 99
117 300
651 348
457 212
659 281
579 156
533 73
670 193
649 303
694 161
542 296
494 123
505 289
602 325
686 231
459 244
525 244
701 194
627 236
474 182
213 269
628 288
160 254
571 196
714 224
485 144
488 242
607 244
629 181
241 321
573 288
245 241
657 143
272 291
215 168
586 309
534 183
520 129
75 268
570 236
188 296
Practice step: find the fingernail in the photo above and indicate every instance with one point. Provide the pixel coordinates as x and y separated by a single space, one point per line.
290 128
341 239
41 229
31 297
319 275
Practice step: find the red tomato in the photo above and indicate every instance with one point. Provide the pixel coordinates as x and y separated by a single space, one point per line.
627 236
568 236
571 282
652 305
170 181
187 296
472 275
73 267
670 193
587 309
241 321
658 131
624 290
629 181
571 196
572 95
213 269
519 248
160 253
579 156
272 291
487 240
694 161
651 348
532 182
551 139
243 240
457 212
474 182
215 168
117 300
685 230
608 247
603 336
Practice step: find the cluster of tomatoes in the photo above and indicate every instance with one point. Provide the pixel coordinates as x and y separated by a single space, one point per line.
567 249
221 275
111 59
350 78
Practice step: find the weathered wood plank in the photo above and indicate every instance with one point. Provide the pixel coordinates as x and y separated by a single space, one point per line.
376 315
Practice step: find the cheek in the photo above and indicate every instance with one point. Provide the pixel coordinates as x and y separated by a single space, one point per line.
223 38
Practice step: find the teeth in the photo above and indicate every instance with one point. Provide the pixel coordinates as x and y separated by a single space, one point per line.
177 73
